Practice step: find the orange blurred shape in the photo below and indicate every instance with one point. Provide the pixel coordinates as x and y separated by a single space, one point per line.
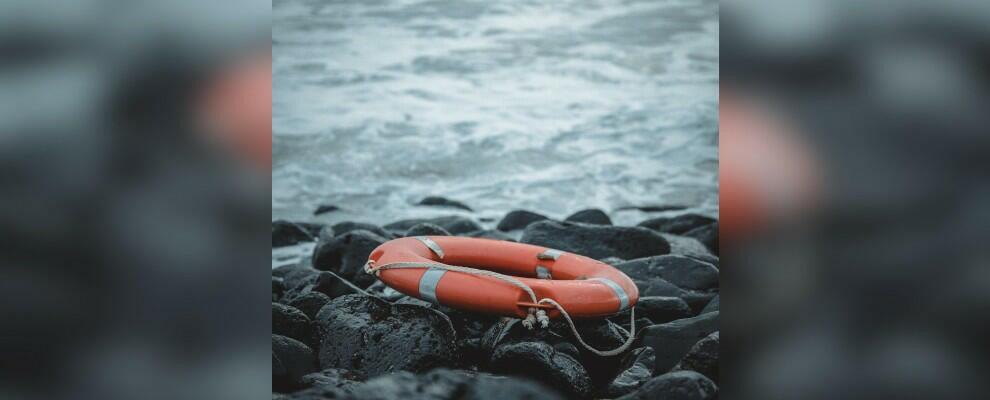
767 175
238 107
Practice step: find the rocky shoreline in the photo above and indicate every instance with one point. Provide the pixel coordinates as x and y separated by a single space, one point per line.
330 341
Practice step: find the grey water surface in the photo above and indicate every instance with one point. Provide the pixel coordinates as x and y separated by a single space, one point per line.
550 106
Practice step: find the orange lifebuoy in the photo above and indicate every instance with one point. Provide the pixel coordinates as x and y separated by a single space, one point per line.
583 286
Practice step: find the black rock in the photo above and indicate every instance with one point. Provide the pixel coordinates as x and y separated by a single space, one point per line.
680 385
325 208
539 360
497 333
384 292
690 247
653 208
293 277
443 202
661 309
370 336
707 234
674 339
636 369
612 260
341 228
331 284
695 299
590 216
600 334
687 273
490 234
290 322
567 348
596 241
285 233
278 287
310 303
340 380
438 384
454 224
291 360
518 219
702 358
677 225
426 229
325 282
711 306
346 255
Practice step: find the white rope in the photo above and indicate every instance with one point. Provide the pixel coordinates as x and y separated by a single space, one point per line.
535 315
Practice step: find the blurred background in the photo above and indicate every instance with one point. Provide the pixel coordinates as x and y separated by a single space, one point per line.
854 199
134 161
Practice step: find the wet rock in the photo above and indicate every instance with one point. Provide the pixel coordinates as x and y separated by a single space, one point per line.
490 234
677 225
340 380
711 306
596 241
567 348
384 292
278 287
472 354
370 336
612 260
288 321
285 233
690 247
331 284
341 228
310 303
707 234
295 277
636 369
672 341
497 333
454 224
660 309
438 384
702 358
443 202
414 301
653 208
600 334
680 385
682 271
346 254
695 299
281 270
325 208
427 229
325 282
590 216
291 360
518 219
539 360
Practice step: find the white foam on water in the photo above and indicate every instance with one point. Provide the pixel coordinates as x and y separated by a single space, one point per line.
546 106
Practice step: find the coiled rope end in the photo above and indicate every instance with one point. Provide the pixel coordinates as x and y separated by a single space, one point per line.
530 319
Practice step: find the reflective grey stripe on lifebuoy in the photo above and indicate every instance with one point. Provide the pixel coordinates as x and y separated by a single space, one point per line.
543 272
434 247
428 284
619 291
549 254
